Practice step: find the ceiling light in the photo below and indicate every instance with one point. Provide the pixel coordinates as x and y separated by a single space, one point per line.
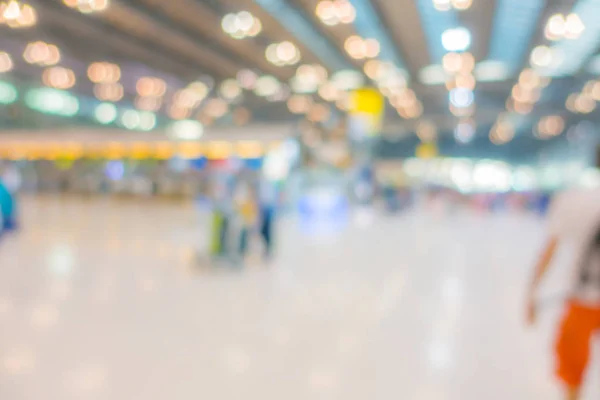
524 95
17 15
522 108
426 131
465 81
492 71
442 5
267 85
179 112
6 63
59 77
186 130
319 113
299 104
355 47
574 27
529 79
550 126
308 78
247 79
561 27
348 79
372 48
462 5
108 91
150 86
284 53
359 48
52 101
216 108
87 6
148 103
8 93
41 53
130 119
461 97
555 27
584 104
372 68
230 90
147 121
542 56
502 132
329 92
457 39
335 12
281 95
433 75
570 103
105 113
241 25
595 90
465 131
452 62
104 72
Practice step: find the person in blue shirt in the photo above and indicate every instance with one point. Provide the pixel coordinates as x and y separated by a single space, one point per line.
7 209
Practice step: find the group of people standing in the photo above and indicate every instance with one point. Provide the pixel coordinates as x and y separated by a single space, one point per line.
248 212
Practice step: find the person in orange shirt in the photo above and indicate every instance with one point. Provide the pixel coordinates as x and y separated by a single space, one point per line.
574 223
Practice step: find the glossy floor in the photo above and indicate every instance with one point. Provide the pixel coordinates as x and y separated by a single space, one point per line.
102 300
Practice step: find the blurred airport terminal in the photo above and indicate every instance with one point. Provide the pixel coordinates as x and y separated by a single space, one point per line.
288 199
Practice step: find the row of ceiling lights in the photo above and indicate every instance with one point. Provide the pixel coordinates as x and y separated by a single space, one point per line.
310 79
388 78
527 91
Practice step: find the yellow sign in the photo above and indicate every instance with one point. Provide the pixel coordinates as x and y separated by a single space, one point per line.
427 150
366 110
367 101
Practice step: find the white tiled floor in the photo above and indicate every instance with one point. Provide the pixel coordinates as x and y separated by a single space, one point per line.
100 300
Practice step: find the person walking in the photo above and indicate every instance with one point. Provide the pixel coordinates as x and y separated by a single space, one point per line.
574 224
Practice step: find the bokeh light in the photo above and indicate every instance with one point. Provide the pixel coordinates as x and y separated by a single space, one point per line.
241 25
59 77
335 12
87 6
41 53
105 113
6 62
108 91
282 54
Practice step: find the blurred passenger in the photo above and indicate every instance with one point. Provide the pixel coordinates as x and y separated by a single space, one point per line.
574 223
268 203
246 207
7 209
11 177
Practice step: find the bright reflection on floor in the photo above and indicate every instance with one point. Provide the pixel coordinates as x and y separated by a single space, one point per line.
101 299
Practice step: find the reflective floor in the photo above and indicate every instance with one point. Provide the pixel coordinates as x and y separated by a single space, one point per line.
104 300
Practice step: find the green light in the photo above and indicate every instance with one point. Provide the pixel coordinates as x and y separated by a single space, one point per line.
130 119
105 113
52 101
147 121
8 93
